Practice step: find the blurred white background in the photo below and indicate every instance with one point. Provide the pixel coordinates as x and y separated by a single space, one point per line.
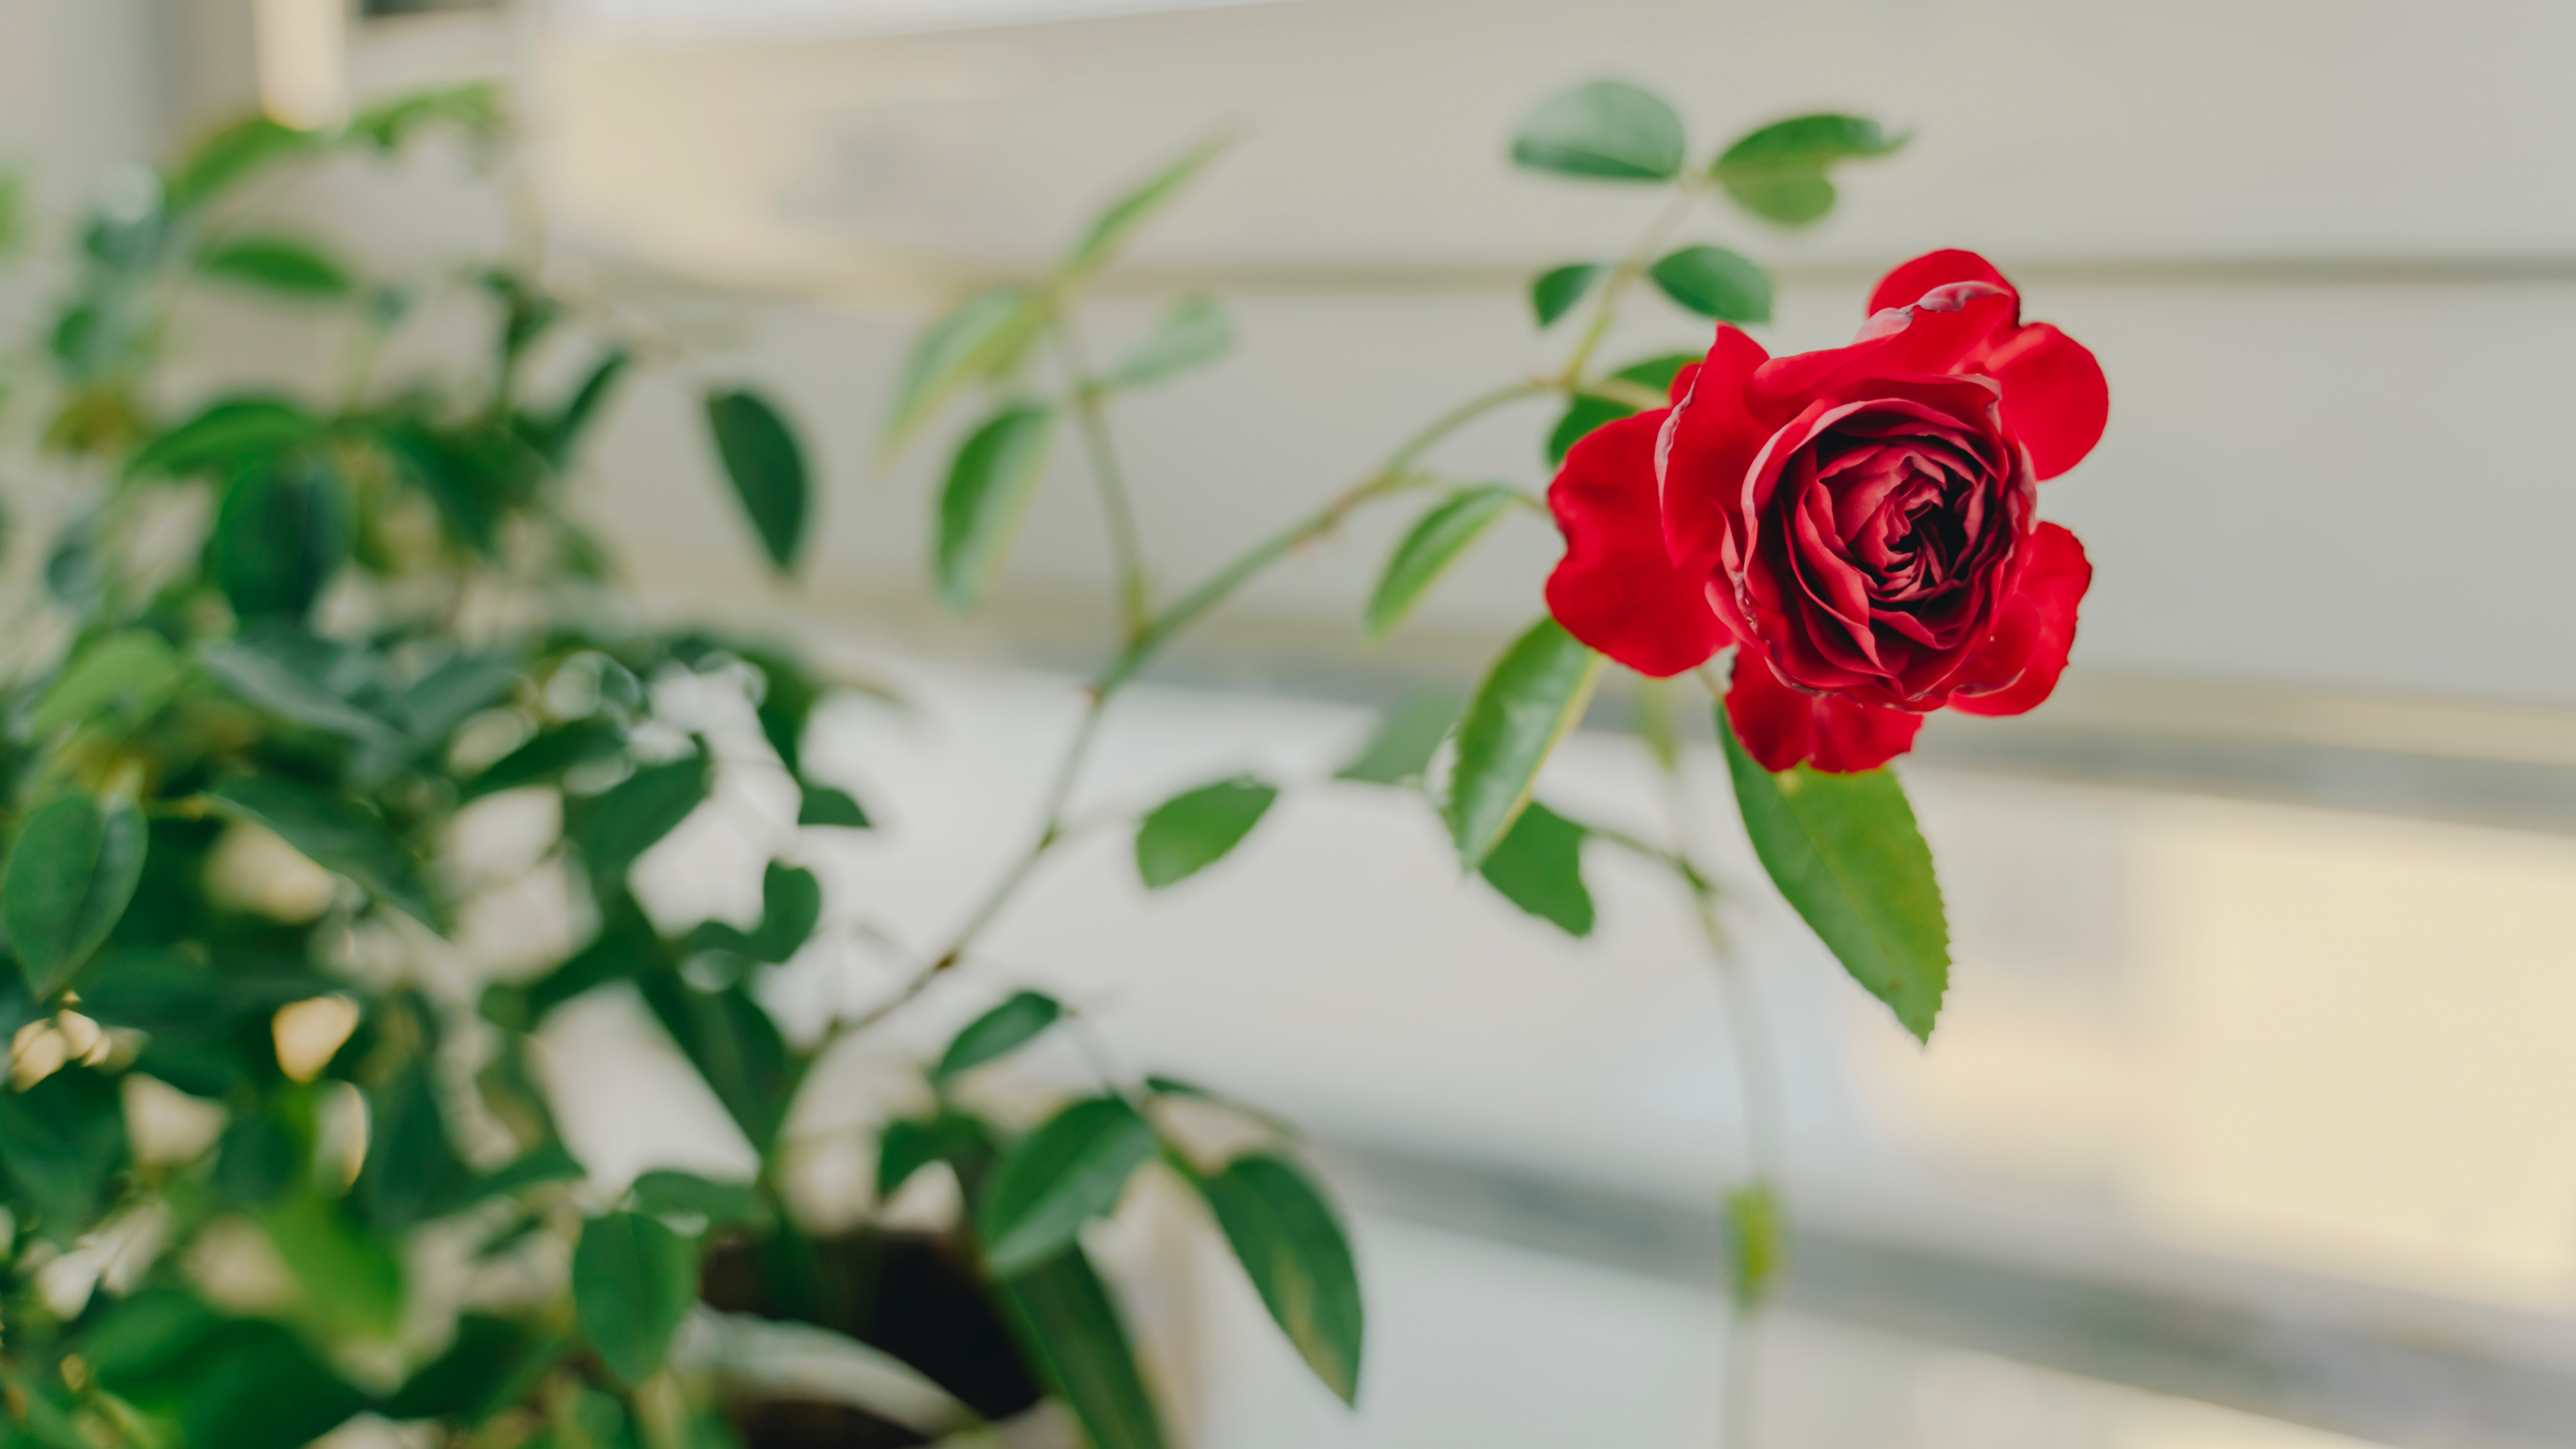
2265 987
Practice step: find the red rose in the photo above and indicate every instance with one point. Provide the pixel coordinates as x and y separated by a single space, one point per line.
1861 523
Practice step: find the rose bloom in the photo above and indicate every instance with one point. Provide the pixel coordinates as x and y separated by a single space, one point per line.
1860 523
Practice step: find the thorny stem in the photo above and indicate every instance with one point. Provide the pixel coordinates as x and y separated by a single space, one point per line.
1117 509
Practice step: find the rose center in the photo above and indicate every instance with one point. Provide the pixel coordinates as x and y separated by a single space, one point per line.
1905 510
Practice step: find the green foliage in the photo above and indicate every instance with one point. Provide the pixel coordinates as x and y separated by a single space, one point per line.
1070 1170
70 874
611 829
1195 829
1589 411
1111 231
62 1142
767 467
1606 130
989 486
276 264
1535 693
998 1032
1845 852
1407 736
339 833
1291 1244
1779 171
1553 293
1436 541
1065 1320
982 339
667 1193
1538 866
632 1282
283 533
910 1144
1715 282
824 805
1192 334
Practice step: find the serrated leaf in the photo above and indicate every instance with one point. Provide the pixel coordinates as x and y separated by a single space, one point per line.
998 1032
1779 171
69 878
282 534
632 1282
989 486
224 435
1845 851
767 469
1539 868
1110 232
1607 129
1534 694
1291 1244
336 833
1193 334
1072 1169
1715 282
276 264
1194 830
1757 1244
983 337
1436 541
823 805
1407 736
612 829
1070 1327
1554 293
665 1192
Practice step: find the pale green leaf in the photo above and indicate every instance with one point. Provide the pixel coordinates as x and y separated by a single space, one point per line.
1438 540
1607 129
1193 334
1535 693
1715 282
988 490
1110 232
982 338
1407 736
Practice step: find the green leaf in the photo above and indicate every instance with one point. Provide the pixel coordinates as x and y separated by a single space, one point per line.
549 755
1715 282
1192 831
1071 1330
1004 1029
1845 852
339 834
910 1144
225 435
475 477
276 264
275 671
238 1384
489 1366
1778 172
1606 129
350 1275
118 681
767 467
233 153
1757 1244
1109 233
62 1140
1438 540
282 534
734 1045
632 1282
1290 1242
823 805
1554 293
69 878
558 436
1193 334
1536 692
1407 736
791 905
473 108
1539 868
983 338
612 829
989 486
1070 1170
666 1193
412 1171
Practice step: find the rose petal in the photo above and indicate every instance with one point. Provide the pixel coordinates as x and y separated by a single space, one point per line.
1907 285
1617 589
1779 726
1711 443
2038 625
2055 398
